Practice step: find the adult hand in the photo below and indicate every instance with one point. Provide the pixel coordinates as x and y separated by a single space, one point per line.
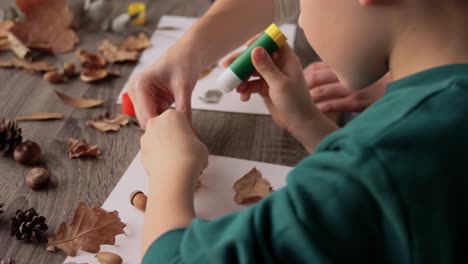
170 79
330 95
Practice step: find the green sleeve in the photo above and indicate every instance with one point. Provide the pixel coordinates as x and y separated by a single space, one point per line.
326 214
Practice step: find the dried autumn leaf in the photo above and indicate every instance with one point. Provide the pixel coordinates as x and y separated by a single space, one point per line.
106 125
90 228
79 102
33 67
5 28
39 116
138 43
113 54
90 60
251 188
93 75
47 25
4 44
79 148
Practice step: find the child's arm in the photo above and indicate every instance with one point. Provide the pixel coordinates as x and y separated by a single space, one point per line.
173 158
284 90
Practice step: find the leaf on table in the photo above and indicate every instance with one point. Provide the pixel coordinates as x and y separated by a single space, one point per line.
252 187
138 43
47 25
5 44
207 71
34 67
106 125
169 28
211 96
90 228
79 102
5 27
40 116
113 54
90 60
93 75
79 148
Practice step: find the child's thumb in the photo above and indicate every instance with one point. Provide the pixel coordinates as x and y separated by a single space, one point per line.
265 66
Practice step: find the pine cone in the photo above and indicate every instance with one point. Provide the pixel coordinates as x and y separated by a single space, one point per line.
29 227
10 136
1 206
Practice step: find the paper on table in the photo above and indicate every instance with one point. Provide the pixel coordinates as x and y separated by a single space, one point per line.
215 198
163 39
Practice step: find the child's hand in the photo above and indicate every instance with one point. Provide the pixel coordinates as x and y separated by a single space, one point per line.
171 151
284 90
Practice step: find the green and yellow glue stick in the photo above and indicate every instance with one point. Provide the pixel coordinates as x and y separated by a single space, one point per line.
242 68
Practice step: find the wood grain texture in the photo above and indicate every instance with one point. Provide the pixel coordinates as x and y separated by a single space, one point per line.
91 180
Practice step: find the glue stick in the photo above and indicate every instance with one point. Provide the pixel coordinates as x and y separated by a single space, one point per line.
242 68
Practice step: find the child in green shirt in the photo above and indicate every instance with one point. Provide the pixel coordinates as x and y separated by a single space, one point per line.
388 188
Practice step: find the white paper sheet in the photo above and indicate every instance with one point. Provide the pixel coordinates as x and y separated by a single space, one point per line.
163 39
213 199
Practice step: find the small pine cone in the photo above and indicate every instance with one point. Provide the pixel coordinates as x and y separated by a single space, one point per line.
1 206
29 227
7 261
10 136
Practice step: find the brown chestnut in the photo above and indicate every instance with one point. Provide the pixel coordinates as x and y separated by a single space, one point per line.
28 153
138 199
38 178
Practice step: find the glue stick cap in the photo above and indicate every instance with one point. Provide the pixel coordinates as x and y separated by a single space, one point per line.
228 81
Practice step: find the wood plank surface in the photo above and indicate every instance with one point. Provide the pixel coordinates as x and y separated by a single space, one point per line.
91 180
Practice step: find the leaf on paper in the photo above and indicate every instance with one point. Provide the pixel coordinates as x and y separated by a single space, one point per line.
79 148
33 67
5 28
138 43
251 188
39 116
90 228
79 102
113 54
106 125
207 71
47 25
211 96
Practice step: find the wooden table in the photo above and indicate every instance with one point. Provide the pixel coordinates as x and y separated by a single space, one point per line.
242 136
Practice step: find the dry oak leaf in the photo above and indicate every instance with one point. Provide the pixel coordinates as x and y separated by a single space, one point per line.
252 187
106 125
113 54
90 60
90 228
40 116
79 102
138 43
32 67
80 148
47 25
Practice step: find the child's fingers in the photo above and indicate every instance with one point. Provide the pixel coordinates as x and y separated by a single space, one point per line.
231 58
320 77
266 67
329 92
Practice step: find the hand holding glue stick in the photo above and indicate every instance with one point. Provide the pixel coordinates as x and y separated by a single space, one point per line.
242 68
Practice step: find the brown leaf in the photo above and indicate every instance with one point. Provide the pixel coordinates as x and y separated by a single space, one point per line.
5 28
5 44
79 148
79 102
47 25
113 54
93 75
33 67
90 60
39 116
138 43
251 188
106 125
90 228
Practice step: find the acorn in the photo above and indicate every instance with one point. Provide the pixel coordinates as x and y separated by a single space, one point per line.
108 258
28 153
138 199
38 178
69 70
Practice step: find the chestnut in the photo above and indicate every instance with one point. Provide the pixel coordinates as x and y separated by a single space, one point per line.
28 153
138 199
38 178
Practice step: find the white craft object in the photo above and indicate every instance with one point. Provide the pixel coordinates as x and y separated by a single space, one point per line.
99 11
121 23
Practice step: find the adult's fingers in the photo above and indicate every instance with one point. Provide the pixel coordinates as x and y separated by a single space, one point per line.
143 100
315 78
328 92
183 102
